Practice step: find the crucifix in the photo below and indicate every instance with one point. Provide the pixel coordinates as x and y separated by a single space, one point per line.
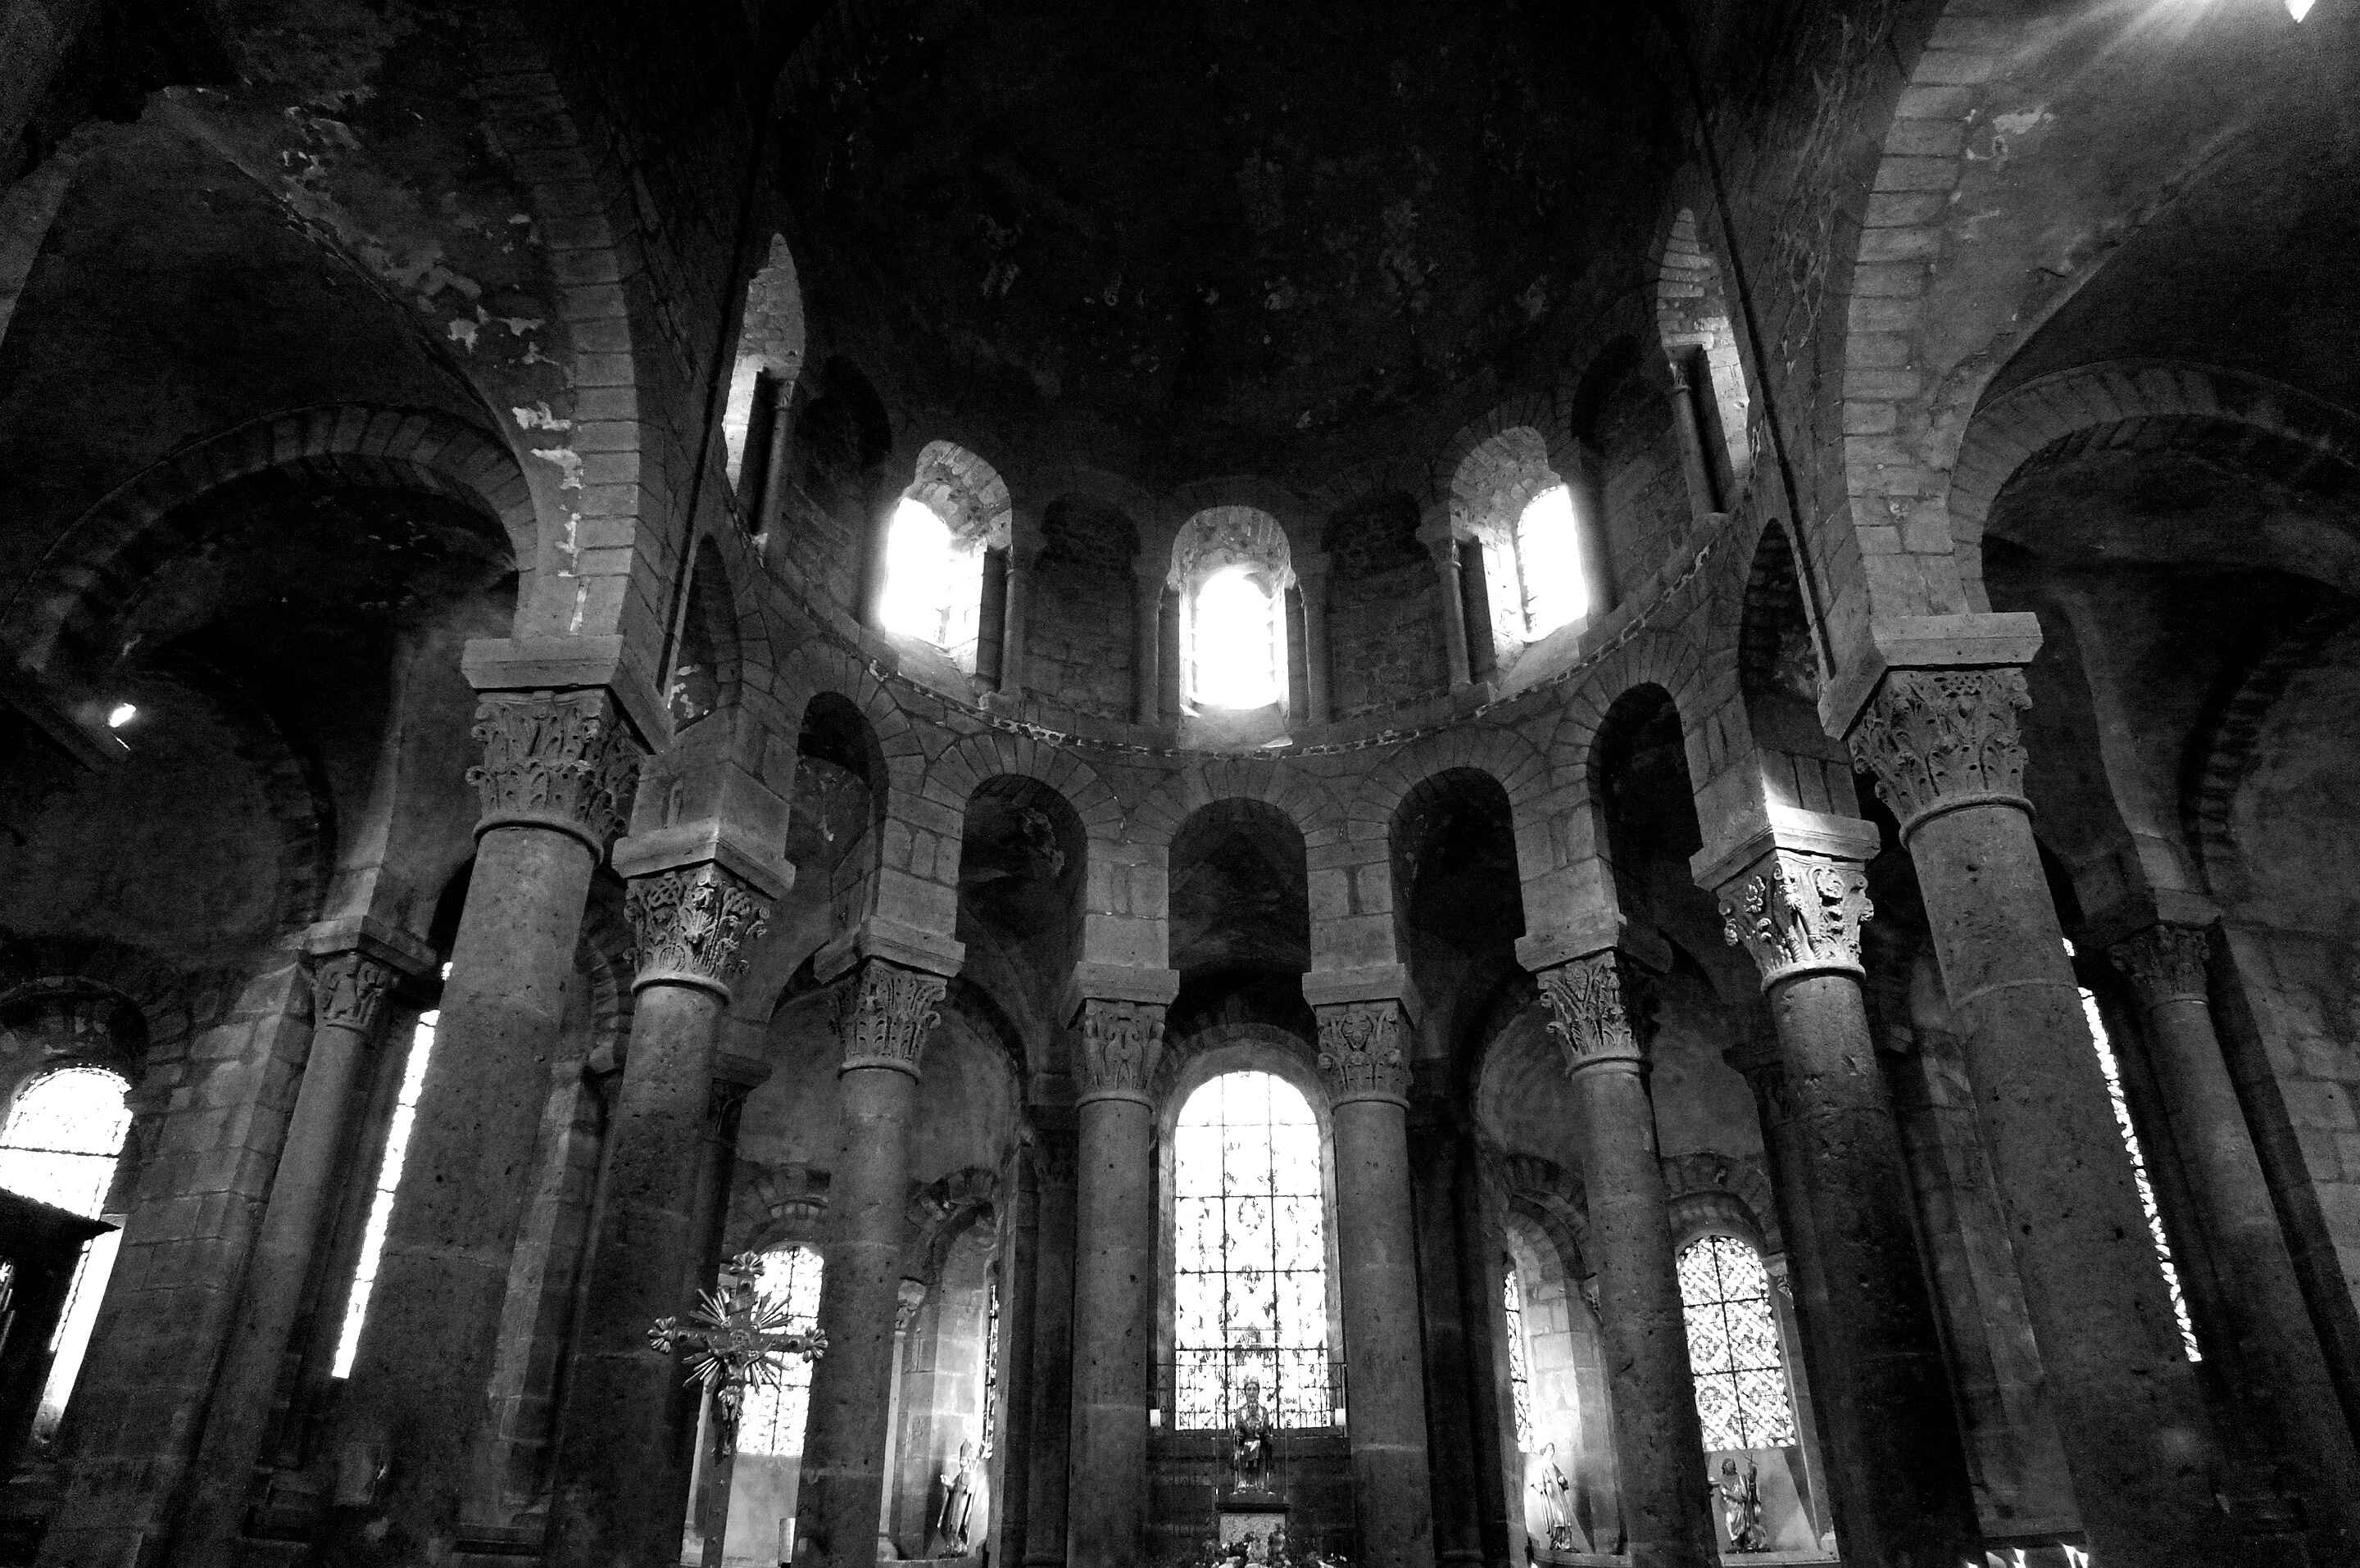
740 1340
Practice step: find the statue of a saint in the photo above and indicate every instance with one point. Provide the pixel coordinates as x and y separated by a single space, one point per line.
1249 1432
958 1503
1741 1506
1555 1492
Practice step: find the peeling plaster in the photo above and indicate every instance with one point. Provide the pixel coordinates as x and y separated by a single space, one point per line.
568 461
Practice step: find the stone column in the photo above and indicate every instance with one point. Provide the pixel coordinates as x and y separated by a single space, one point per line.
1053 1354
1947 757
1367 1073
1147 647
557 774
1012 1472
1311 578
1452 1365
1900 1489
1117 1045
1702 503
626 1443
1444 548
1014 620
1600 1009
2275 1363
886 1013
349 992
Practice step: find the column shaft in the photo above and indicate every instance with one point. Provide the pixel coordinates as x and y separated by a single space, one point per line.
2276 1363
1147 649
1444 551
1014 622
1452 1367
1052 1356
1658 1445
1113 1332
348 1009
1702 503
1377 1257
887 1016
1945 747
1313 586
1019 1288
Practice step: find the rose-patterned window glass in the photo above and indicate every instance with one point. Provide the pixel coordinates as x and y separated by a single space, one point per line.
772 1419
2114 1072
1740 1375
1520 1376
1249 1254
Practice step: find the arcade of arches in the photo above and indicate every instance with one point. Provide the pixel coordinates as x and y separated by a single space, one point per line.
1478 785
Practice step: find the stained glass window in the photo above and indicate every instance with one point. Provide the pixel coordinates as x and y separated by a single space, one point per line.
772 1422
1251 1255
2114 1072
63 1136
991 1370
389 1177
1741 1377
1520 1376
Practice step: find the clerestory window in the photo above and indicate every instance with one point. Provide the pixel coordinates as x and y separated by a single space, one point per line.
1733 1351
934 583
1548 562
1239 645
60 1146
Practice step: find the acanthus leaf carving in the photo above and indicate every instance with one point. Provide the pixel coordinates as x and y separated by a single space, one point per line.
884 1016
562 758
690 923
1122 1043
2164 964
1361 1055
1930 737
1601 1007
1798 912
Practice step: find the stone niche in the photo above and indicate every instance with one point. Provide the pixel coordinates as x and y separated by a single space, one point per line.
1312 1470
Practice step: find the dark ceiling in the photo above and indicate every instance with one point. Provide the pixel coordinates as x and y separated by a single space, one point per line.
1254 234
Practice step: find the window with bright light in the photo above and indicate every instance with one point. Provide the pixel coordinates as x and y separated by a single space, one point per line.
772 1419
1548 558
1240 642
60 1146
388 1179
1734 1354
934 582
2113 1073
1520 1376
991 1371
1249 1254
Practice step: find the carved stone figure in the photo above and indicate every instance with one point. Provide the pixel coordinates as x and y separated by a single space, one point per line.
1555 1492
1249 1438
958 1505
1741 1506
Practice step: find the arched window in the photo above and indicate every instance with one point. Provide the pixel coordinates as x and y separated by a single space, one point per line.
952 518
60 1146
1734 1353
1520 1376
770 357
772 1422
388 1179
1249 1258
1692 314
2113 1073
1231 567
1548 559
1514 514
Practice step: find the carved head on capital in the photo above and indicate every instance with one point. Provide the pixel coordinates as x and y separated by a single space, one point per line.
1122 1043
1361 1049
1798 912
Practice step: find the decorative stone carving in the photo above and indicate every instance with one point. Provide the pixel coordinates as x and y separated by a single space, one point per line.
886 1014
348 990
908 1297
2164 964
1938 738
1121 1044
690 923
1799 914
1360 1055
1601 1008
561 759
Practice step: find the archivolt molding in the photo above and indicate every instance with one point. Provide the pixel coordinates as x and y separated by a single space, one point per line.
140 525
953 777
1307 801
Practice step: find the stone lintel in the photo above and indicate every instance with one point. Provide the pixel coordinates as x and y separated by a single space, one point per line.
1792 829
1605 929
521 664
366 933
1372 983
1968 641
2157 907
1118 983
882 936
722 843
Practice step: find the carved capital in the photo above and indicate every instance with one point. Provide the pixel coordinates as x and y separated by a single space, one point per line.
885 1015
1939 739
689 924
1360 1051
1120 1043
1798 914
1601 1008
557 759
348 990
2164 964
